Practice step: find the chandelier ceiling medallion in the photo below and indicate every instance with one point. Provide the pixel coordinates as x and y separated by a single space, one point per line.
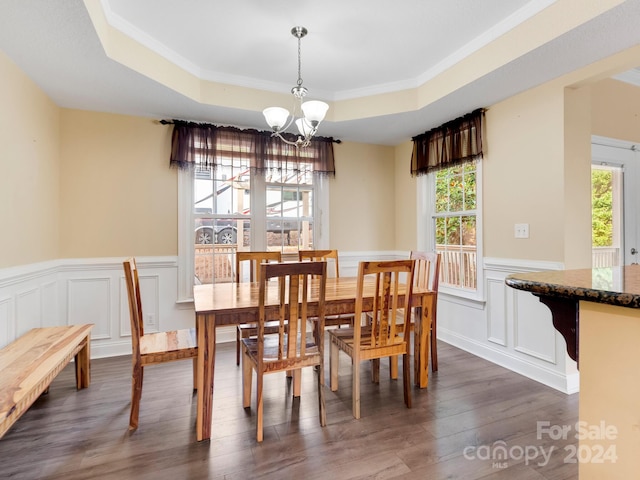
306 115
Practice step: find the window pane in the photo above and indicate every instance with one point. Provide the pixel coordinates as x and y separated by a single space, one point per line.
453 231
470 191
274 201
440 231
216 244
214 263
602 208
468 273
442 191
306 235
232 188
469 230
455 193
203 192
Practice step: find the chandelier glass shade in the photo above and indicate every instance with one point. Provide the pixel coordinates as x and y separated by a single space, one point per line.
306 115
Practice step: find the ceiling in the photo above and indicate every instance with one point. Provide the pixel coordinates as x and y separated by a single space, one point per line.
360 49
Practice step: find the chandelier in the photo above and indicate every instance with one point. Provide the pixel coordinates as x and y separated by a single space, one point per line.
306 115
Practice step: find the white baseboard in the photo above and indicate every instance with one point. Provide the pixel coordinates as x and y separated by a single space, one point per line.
565 383
113 349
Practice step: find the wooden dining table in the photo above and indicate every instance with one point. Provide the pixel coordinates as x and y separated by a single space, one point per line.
224 304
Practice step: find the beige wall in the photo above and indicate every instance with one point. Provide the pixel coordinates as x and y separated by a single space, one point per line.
118 194
615 110
29 158
577 234
406 201
523 176
362 199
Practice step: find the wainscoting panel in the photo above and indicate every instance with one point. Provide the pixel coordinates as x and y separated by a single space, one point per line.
497 315
534 334
88 302
6 321
50 305
123 309
28 310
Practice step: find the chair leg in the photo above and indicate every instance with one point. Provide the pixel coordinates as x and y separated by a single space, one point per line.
375 370
238 345
355 391
136 394
297 382
334 352
195 373
434 348
393 367
321 405
259 407
247 373
406 378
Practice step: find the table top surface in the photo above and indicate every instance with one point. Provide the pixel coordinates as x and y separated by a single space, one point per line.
614 285
229 297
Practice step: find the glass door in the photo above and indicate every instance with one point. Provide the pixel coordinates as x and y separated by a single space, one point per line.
615 203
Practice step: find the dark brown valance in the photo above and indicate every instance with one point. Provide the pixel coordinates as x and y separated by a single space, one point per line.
203 145
452 143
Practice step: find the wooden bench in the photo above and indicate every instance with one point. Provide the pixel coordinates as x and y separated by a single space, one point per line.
29 364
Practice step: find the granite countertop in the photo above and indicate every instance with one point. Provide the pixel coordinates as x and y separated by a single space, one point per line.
614 286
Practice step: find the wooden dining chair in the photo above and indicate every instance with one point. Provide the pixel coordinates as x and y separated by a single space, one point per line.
382 336
331 256
152 348
426 276
295 346
253 260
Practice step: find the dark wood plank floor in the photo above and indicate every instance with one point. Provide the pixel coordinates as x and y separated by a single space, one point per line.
473 410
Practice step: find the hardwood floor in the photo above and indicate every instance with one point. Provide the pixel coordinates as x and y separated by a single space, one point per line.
470 411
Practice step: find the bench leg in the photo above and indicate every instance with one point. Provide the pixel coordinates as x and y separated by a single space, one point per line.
83 365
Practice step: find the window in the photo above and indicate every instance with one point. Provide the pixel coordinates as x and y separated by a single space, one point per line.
236 208
455 225
449 222
448 157
289 209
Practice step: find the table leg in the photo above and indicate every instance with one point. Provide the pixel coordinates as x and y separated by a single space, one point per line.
206 326
417 333
422 342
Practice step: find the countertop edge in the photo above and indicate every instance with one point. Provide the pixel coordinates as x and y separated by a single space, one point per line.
539 288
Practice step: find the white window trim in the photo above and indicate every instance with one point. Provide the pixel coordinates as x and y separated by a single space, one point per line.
186 241
186 248
426 236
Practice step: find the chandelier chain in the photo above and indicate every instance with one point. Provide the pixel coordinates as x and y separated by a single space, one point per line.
299 62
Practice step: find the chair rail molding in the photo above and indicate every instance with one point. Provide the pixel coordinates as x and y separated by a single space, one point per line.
510 328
